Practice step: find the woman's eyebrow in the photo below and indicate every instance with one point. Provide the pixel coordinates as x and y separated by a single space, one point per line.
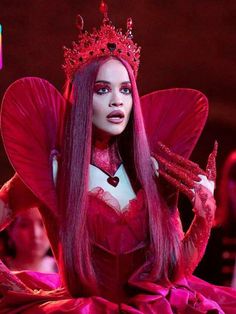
107 82
101 81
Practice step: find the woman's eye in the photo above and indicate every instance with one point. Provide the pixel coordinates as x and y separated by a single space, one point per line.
100 90
126 90
103 90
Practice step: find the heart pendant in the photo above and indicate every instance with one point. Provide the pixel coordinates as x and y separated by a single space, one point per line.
113 181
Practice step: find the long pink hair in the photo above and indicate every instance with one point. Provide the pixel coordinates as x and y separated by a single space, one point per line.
76 262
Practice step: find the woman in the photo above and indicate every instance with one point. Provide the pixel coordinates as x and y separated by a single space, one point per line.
28 244
112 223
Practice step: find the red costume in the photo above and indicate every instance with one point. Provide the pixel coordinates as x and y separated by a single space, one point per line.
119 239
32 123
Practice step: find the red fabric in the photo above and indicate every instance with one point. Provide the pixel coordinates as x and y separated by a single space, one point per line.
31 125
119 267
175 117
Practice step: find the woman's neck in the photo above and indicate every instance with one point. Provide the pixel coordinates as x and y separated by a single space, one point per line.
26 261
42 264
105 155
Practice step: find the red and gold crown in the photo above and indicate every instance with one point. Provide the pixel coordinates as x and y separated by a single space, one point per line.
106 41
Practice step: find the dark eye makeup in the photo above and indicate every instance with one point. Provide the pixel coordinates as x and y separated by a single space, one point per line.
101 88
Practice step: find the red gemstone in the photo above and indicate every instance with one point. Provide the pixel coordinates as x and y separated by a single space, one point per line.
111 46
103 7
113 181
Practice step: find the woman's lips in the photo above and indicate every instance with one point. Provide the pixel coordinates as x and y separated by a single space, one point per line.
116 116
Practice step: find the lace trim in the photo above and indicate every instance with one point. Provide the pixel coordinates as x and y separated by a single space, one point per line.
111 201
195 242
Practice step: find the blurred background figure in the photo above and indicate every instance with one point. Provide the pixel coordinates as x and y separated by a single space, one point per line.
233 284
226 218
27 244
218 263
2 244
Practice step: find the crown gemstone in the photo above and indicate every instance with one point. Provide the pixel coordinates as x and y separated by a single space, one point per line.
111 46
104 41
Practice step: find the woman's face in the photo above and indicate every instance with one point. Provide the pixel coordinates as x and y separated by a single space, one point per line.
28 234
112 99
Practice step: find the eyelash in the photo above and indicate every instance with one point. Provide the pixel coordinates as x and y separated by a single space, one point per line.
128 89
103 90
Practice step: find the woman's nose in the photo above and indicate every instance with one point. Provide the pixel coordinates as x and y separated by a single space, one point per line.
116 100
37 231
116 104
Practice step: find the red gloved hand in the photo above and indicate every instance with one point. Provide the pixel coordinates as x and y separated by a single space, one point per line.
198 185
184 174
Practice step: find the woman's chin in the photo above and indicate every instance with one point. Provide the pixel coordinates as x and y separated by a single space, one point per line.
107 133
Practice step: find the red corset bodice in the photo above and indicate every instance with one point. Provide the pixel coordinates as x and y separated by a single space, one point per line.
119 241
